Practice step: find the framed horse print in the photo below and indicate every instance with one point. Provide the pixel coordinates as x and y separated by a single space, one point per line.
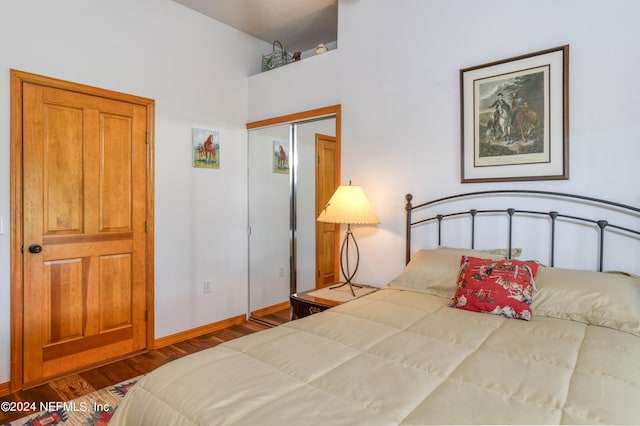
515 118
280 157
206 148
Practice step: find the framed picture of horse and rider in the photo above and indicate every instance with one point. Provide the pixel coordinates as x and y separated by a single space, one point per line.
515 118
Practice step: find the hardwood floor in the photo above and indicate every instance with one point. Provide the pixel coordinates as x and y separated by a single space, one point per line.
277 318
77 385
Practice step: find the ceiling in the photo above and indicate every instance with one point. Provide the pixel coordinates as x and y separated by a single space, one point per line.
299 25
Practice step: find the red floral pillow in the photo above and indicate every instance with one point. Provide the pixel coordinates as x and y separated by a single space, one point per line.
499 287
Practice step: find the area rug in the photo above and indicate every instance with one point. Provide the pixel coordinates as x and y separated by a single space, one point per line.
341 294
95 408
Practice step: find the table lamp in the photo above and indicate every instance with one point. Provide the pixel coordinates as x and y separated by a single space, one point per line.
348 205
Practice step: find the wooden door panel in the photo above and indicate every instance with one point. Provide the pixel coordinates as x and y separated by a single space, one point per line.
63 186
64 285
327 256
327 170
85 170
68 248
65 356
115 291
116 173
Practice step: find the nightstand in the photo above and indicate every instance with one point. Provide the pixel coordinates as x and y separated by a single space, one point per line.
310 302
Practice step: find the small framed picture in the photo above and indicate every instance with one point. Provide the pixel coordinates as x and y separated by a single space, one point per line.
206 148
280 157
515 118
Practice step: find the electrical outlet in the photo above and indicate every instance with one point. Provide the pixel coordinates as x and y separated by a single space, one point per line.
206 287
281 270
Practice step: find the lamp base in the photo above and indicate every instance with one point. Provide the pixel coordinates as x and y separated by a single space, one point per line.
350 284
344 261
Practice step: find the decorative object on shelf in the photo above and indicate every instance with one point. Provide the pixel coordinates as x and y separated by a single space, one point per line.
348 205
278 57
281 157
515 118
297 56
321 48
206 148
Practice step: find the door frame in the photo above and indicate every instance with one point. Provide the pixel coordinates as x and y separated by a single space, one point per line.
18 78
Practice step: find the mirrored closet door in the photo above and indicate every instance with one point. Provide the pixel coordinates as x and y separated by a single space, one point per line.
292 160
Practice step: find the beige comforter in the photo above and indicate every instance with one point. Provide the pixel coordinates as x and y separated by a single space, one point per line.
399 357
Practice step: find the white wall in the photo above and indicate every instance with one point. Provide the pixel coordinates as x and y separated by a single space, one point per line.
196 70
396 74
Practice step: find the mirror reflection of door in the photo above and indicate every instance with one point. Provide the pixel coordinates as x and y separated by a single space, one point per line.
327 234
283 252
308 188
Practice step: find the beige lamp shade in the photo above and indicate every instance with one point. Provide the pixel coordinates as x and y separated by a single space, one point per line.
349 205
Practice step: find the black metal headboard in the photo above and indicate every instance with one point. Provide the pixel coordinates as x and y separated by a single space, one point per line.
601 224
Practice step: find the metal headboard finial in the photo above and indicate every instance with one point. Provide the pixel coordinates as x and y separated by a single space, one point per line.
408 208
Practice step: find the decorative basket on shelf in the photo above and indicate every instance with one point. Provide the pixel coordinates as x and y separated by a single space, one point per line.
277 58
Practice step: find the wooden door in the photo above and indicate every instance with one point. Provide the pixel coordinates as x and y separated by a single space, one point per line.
84 177
327 234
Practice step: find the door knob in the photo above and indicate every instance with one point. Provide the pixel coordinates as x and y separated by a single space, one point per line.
35 248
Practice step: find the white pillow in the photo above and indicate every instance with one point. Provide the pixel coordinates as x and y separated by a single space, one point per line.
599 298
435 271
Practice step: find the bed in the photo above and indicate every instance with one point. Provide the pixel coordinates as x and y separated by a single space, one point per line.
419 351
